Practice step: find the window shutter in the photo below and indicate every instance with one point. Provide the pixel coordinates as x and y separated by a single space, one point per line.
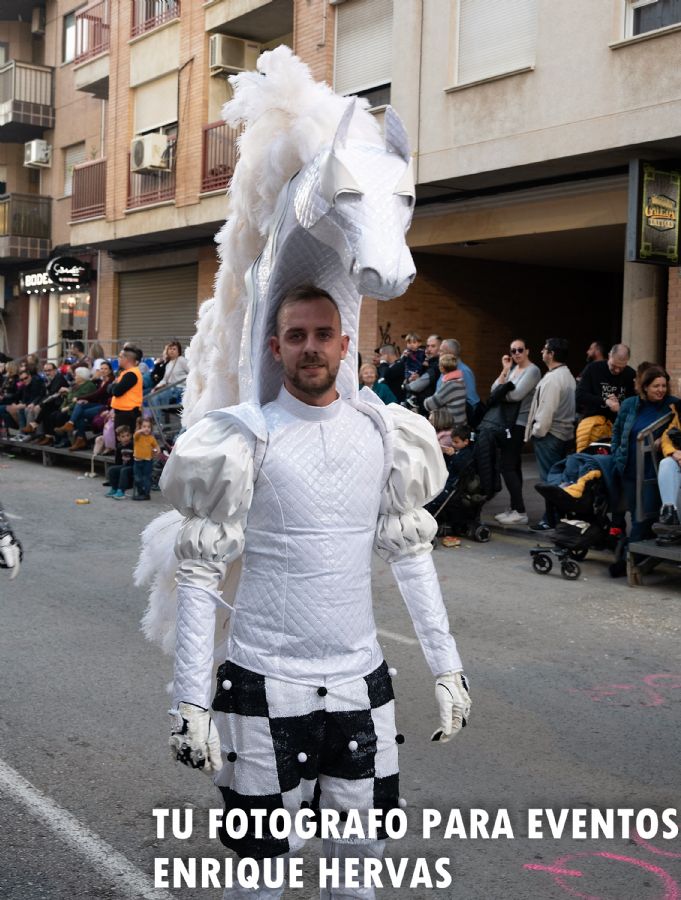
363 58
156 305
495 37
156 103
73 156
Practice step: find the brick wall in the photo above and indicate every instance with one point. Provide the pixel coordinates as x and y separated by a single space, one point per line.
486 304
208 268
673 355
313 36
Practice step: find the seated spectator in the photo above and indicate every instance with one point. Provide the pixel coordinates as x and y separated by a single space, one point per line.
120 475
601 389
442 422
475 408
668 527
391 370
169 389
81 387
98 357
30 388
452 393
49 403
77 358
635 415
368 377
88 406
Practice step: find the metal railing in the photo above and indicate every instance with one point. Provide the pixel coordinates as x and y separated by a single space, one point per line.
153 187
218 156
25 215
646 448
26 94
89 190
148 14
93 33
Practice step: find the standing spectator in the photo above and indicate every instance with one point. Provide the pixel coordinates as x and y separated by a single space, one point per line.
597 351
550 422
414 356
391 370
421 386
169 388
127 389
516 369
145 449
636 414
451 395
368 376
602 388
77 357
475 408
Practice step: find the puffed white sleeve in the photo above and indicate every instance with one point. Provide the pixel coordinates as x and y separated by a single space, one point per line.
209 480
405 531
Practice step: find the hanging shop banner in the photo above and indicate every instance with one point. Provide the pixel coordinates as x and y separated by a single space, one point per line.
68 270
653 221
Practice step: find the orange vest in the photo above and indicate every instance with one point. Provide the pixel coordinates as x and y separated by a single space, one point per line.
131 399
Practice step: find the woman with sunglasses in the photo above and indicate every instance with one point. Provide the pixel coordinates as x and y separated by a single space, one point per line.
525 376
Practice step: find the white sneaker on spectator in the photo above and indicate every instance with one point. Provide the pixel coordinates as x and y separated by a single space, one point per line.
502 515
513 518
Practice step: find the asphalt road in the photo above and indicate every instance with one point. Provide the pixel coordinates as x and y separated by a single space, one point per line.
576 689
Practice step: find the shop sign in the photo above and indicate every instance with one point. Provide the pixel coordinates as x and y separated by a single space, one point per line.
653 222
68 270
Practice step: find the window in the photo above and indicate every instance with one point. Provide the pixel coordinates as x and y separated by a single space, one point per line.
363 58
155 104
650 15
4 53
495 38
69 38
73 156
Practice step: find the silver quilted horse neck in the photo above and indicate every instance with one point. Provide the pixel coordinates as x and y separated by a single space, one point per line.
340 224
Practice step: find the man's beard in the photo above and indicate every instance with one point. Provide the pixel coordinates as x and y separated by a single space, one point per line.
318 387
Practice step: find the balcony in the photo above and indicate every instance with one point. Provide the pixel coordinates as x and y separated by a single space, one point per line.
146 189
148 14
26 104
24 227
88 200
93 34
218 156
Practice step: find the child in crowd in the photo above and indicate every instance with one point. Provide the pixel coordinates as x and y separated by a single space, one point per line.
442 422
146 447
414 356
120 475
458 457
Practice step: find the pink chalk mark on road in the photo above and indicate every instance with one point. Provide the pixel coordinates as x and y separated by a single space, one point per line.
671 888
653 688
669 854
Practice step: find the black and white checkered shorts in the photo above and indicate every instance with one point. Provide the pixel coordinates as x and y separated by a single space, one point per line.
291 746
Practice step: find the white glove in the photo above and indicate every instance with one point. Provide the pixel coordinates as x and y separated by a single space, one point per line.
10 554
194 739
451 693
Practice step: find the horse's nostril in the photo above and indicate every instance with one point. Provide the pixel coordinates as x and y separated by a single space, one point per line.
369 279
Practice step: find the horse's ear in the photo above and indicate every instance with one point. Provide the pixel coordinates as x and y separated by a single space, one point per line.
343 126
396 137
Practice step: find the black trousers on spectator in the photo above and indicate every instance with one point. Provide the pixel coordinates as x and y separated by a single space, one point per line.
127 417
54 420
120 477
511 467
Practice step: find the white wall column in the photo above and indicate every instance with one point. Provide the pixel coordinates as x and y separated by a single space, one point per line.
53 330
33 322
643 311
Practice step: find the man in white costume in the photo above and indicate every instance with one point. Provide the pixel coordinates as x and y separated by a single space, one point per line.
303 489
10 548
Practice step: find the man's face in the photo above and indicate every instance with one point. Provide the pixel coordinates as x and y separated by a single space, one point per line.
617 364
125 360
432 347
593 354
310 347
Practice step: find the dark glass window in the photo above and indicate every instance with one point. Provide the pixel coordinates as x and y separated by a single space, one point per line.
657 15
378 96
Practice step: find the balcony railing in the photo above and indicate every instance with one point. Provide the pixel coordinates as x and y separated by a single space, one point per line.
92 31
148 14
26 102
219 156
145 189
88 199
24 215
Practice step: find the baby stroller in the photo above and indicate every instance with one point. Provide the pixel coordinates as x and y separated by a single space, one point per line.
458 512
580 490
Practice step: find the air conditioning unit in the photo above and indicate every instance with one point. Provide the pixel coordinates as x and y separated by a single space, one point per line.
37 155
38 20
232 55
149 153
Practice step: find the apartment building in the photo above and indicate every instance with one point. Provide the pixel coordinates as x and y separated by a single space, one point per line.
527 118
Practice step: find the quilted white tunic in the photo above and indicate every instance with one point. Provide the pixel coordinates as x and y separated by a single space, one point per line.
335 482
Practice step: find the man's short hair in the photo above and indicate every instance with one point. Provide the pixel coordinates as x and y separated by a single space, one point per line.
78 345
453 346
134 350
620 350
123 429
305 293
559 347
388 348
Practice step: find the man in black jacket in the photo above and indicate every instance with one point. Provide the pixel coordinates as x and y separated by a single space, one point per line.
605 384
391 370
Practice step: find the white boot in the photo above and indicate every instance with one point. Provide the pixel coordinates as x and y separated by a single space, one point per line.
343 850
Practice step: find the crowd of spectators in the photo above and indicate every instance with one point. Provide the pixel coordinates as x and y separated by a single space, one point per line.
556 413
88 400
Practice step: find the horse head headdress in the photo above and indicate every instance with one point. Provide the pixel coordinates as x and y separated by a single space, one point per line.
317 196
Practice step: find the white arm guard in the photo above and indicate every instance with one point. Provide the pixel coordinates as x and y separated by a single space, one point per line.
418 583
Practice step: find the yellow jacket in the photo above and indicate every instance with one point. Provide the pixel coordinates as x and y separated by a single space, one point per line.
666 445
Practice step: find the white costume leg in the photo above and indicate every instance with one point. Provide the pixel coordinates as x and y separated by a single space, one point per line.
342 850
257 893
